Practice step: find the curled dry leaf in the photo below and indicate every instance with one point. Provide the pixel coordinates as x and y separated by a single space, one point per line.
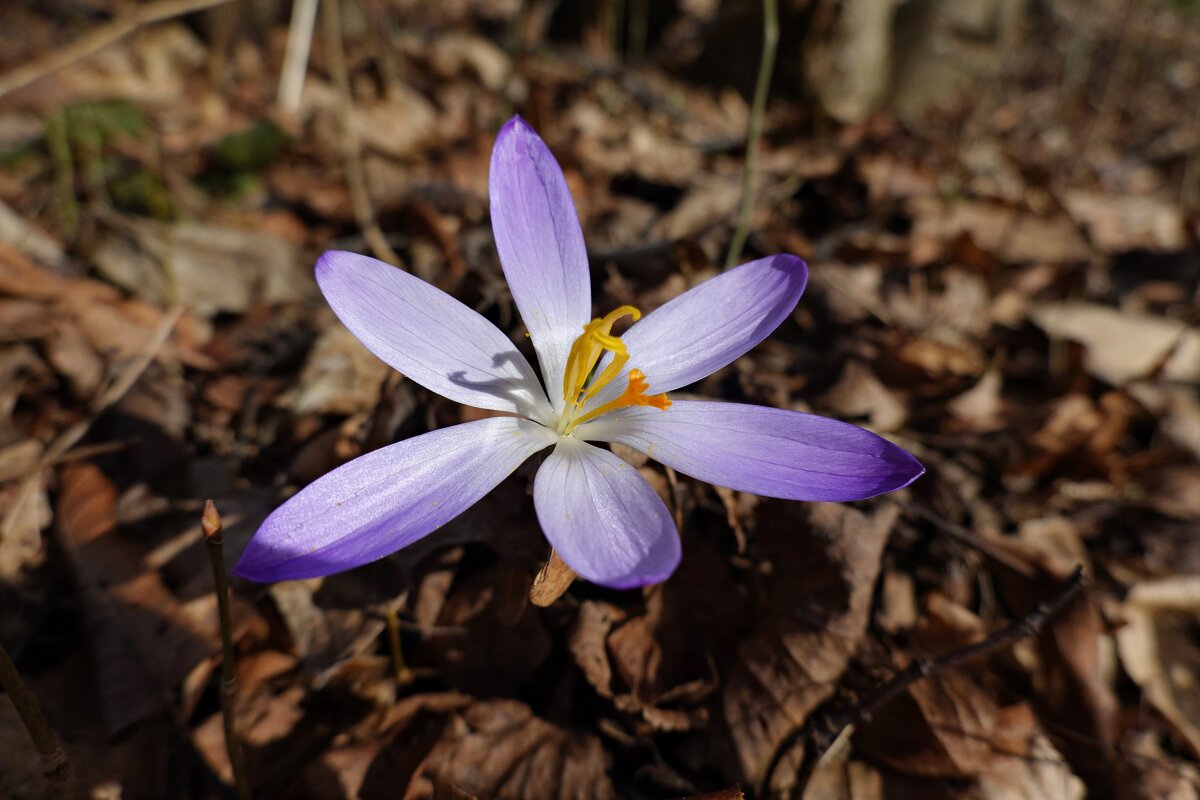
660 666
1158 649
588 643
499 749
793 661
553 579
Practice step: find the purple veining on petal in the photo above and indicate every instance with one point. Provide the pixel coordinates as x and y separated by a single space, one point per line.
766 451
602 517
541 246
429 336
711 324
387 499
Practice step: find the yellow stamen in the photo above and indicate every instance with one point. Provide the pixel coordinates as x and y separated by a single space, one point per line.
585 354
586 351
634 395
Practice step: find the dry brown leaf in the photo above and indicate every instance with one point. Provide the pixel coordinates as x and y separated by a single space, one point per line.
1073 675
137 629
210 268
1000 231
1158 649
400 126
1118 224
73 356
1124 346
499 639
837 779
858 393
552 581
498 748
1040 774
339 377
588 643
793 662
939 727
980 407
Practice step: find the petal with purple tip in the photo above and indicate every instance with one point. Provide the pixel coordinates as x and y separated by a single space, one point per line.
602 517
541 246
388 499
765 451
429 336
710 325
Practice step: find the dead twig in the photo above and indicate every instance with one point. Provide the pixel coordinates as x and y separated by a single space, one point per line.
356 178
754 135
95 41
295 56
210 524
55 764
822 731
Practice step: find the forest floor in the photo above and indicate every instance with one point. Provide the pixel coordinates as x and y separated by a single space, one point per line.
1008 288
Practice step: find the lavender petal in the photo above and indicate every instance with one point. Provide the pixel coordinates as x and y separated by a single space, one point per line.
710 325
541 247
602 517
429 336
765 451
387 499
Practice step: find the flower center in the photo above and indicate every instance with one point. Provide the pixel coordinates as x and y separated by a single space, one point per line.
585 353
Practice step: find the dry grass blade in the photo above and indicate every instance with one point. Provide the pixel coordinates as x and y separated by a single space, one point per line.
99 39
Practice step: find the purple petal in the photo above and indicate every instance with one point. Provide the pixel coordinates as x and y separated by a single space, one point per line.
766 451
387 499
541 247
710 325
603 518
429 336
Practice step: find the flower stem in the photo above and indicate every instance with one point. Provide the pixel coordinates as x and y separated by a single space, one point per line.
210 524
754 135
55 764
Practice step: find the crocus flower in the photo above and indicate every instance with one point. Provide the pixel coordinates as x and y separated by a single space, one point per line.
597 511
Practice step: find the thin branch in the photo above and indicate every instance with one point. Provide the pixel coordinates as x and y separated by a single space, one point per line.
356 179
821 732
754 135
100 38
210 524
55 764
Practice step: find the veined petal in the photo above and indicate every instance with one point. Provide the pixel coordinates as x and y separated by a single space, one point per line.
541 247
710 325
388 499
766 451
429 336
602 517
